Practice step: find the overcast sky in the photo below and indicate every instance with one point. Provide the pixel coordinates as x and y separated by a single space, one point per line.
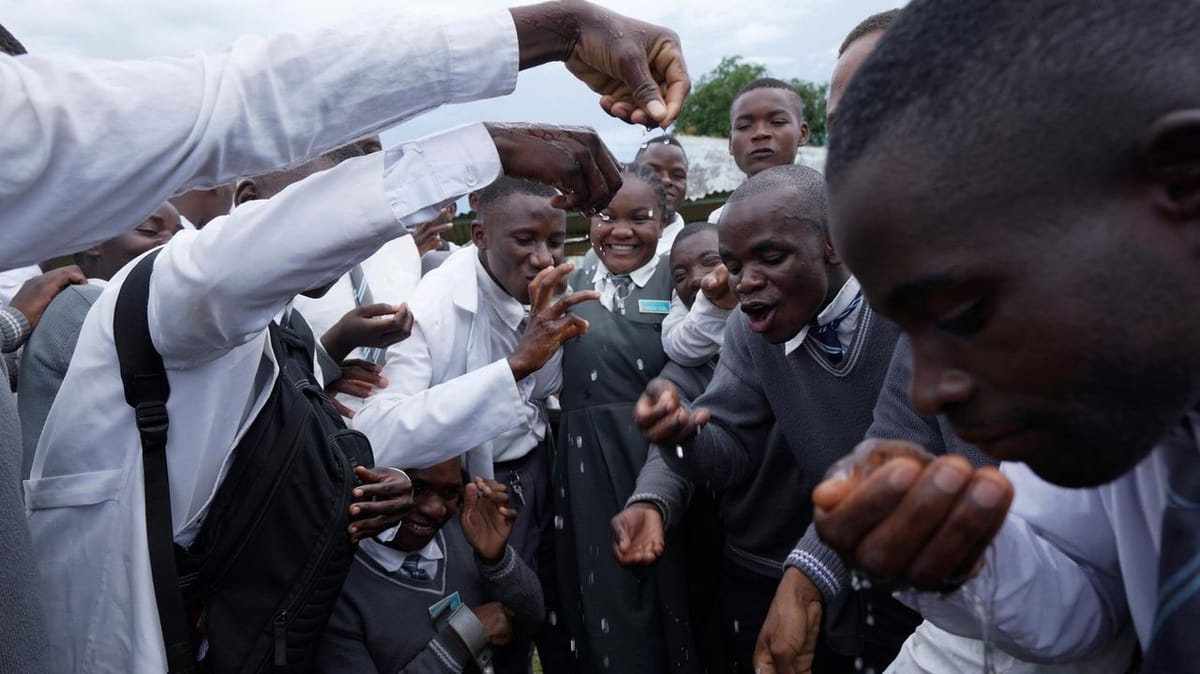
794 38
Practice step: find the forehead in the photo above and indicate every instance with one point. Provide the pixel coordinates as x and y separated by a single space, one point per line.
696 245
446 473
519 210
773 215
765 101
848 64
634 193
662 154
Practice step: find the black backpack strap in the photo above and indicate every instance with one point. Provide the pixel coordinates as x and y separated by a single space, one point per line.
146 391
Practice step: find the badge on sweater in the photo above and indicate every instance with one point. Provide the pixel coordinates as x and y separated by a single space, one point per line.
440 612
654 306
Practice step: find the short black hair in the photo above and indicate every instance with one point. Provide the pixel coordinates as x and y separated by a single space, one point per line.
664 139
771 83
273 183
649 176
9 44
1055 91
869 25
505 187
692 229
806 185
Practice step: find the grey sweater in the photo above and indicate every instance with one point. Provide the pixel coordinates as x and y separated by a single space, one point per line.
382 624
23 646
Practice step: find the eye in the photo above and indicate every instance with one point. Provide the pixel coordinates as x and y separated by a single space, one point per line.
773 258
146 231
523 240
965 320
556 243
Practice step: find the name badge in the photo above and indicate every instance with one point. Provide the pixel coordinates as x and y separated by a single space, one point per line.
440 612
654 306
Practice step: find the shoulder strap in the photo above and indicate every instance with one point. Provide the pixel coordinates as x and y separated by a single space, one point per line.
146 391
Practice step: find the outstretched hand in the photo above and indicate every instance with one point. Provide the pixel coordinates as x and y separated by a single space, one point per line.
788 639
662 416
638 536
487 521
36 294
570 158
636 67
901 515
380 502
715 287
549 322
359 378
373 325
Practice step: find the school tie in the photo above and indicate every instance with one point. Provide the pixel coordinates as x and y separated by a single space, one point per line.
621 284
412 567
1173 644
825 337
362 296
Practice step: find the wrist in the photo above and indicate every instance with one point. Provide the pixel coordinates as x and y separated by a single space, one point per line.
519 368
331 341
546 32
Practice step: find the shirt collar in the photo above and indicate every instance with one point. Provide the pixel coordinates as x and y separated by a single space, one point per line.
392 558
504 305
641 276
841 300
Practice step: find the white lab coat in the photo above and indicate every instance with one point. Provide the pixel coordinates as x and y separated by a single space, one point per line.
448 392
212 295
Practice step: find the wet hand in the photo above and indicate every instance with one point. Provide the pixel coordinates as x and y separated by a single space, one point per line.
549 322
570 158
900 515
497 621
487 521
373 325
715 287
360 378
37 293
636 67
638 536
662 416
789 635
380 503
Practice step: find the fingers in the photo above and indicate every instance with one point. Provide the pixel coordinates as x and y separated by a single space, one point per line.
635 70
375 310
660 399
679 83
864 507
341 409
404 321
373 526
541 288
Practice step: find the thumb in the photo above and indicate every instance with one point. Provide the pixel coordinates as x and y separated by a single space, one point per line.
470 497
645 91
372 310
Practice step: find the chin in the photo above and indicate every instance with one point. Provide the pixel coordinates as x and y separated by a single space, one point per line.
1082 463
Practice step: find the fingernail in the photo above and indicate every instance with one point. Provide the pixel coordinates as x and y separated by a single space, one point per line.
987 494
903 475
656 109
949 479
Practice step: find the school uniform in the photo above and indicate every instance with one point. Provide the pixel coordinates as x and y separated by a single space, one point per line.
211 300
667 238
382 620
622 620
11 281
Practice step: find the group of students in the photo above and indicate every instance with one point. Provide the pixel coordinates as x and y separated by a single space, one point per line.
769 442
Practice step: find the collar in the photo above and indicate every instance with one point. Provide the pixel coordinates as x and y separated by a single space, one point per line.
504 305
391 558
841 300
641 276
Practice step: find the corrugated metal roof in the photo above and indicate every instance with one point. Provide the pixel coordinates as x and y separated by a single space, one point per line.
711 168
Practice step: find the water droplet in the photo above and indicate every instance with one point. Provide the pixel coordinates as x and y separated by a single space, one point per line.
640 364
558 522
594 375
591 577
579 441
679 451
562 491
858 664
553 618
870 619
572 645
581 467
604 625
606 662
735 627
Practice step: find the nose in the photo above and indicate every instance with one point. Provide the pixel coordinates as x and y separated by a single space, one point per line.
433 508
761 130
936 383
746 281
541 257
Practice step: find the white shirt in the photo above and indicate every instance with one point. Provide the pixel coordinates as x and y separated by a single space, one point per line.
667 239
451 390
1069 568
212 295
715 216
602 280
264 104
12 280
392 559
391 274
845 329
691 337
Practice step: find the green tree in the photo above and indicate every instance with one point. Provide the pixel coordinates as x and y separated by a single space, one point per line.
706 111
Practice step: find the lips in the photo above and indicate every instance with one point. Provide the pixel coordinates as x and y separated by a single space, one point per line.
419 528
1011 443
760 315
622 248
762 152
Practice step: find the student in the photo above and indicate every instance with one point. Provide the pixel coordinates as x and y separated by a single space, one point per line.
49 349
1023 354
804 355
198 207
483 357
621 620
665 155
384 619
767 127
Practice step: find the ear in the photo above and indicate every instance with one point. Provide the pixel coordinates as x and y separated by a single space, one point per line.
831 254
479 235
804 133
246 190
1169 155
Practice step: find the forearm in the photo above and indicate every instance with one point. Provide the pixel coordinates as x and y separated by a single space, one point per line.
265 104
512 583
820 564
661 486
693 338
446 654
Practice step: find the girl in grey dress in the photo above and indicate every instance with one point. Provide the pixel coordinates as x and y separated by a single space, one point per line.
622 620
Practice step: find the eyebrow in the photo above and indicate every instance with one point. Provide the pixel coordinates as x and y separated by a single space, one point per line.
769 244
770 113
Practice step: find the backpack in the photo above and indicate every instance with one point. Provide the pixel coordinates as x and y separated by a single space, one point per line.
265 571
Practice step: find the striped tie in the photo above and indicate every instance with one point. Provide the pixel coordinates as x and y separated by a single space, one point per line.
825 337
1173 638
412 566
362 296
621 283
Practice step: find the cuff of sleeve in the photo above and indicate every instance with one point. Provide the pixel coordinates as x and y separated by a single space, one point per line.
450 651
502 568
483 55
14 328
654 500
468 628
423 175
821 564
